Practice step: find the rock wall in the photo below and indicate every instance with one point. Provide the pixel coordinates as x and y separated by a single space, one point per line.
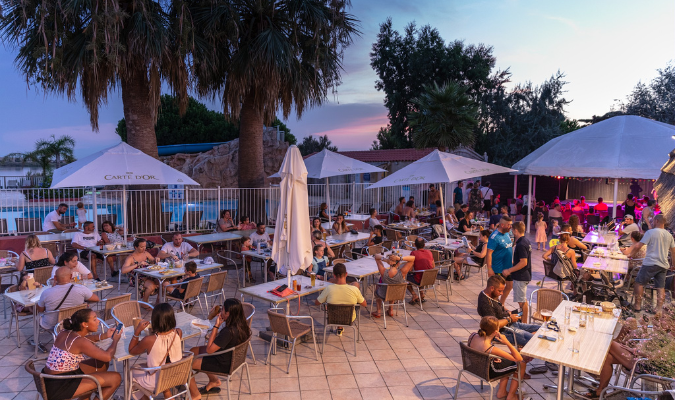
218 166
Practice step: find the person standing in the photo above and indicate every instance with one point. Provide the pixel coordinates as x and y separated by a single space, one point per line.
457 193
521 272
500 254
434 196
487 194
475 200
647 214
655 264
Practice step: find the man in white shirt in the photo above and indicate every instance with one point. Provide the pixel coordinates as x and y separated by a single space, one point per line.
626 228
260 236
53 222
177 249
88 238
487 194
62 295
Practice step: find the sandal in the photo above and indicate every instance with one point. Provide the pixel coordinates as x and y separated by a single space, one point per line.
376 315
591 394
414 301
213 390
390 313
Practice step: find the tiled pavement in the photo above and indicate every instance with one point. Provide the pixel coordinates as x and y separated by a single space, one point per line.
420 361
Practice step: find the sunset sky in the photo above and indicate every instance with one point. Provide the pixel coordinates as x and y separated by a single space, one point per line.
603 47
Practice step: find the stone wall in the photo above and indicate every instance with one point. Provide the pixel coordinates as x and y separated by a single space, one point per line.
218 166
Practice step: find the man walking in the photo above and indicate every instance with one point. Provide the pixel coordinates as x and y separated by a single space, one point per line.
521 272
500 254
458 194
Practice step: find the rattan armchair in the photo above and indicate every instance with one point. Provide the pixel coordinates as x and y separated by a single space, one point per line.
169 376
192 293
477 364
288 329
341 316
376 249
111 302
394 295
427 281
39 379
42 274
125 312
237 363
214 287
16 315
249 311
547 299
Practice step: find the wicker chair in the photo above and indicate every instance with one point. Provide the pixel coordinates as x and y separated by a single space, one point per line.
411 238
111 302
125 312
214 286
395 295
477 364
42 274
3 226
39 379
288 329
16 315
169 376
238 361
249 311
387 244
469 263
377 249
393 235
341 316
232 260
192 293
428 281
548 299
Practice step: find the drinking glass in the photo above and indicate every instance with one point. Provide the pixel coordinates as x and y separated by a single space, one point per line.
576 343
590 323
583 317
313 279
568 314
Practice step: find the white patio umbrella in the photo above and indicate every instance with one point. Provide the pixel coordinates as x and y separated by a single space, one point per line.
326 163
438 167
292 246
118 165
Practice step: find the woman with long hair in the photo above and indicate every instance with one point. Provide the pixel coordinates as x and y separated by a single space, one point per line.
316 225
506 363
67 357
235 331
225 222
34 255
163 345
340 225
109 236
323 212
140 258
71 260
575 224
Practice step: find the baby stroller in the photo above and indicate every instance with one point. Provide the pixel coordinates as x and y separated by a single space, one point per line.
605 290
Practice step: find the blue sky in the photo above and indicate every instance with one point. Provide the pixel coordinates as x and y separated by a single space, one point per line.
603 47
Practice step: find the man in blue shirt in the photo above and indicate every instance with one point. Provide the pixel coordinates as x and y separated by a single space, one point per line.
500 254
459 196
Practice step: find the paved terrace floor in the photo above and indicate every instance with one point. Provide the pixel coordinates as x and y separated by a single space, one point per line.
420 361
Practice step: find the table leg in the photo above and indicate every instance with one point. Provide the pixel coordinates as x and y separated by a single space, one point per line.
127 380
561 382
105 265
36 331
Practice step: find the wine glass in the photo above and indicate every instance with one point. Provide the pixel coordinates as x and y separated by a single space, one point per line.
546 315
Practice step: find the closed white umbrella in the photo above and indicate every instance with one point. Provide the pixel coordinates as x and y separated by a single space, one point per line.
118 165
438 167
292 246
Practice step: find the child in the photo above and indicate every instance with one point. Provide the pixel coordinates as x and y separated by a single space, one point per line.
540 236
190 274
555 228
246 245
319 262
81 215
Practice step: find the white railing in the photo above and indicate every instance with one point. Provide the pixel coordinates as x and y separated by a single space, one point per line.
186 209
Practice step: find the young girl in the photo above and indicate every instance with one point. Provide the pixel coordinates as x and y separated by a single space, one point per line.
319 262
81 215
245 245
540 227
555 228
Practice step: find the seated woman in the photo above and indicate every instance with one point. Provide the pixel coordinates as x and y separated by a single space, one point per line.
507 363
635 261
376 237
139 259
316 226
67 357
450 219
34 256
409 210
395 274
317 239
476 255
246 224
323 212
465 224
109 236
575 225
71 260
162 346
340 225
235 331
225 222
574 243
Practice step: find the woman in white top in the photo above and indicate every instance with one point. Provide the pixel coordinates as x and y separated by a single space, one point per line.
162 346
451 219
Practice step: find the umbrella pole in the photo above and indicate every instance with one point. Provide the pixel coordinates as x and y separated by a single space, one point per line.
529 201
124 211
328 199
93 192
445 229
616 194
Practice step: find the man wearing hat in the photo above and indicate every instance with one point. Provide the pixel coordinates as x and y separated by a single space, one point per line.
626 228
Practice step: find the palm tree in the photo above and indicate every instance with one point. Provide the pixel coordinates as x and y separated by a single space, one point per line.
57 148
285 54
445 117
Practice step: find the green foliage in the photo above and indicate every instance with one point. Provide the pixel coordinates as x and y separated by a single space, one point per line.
198 125
311 145
48 151
288 136
444 117
569 125
655 100
405 63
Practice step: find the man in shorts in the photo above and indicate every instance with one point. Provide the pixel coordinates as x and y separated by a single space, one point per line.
655 264
521 272
500 254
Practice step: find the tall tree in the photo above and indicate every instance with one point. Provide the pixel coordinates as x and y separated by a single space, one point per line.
311 145
286 54
655 100
404 63
444 117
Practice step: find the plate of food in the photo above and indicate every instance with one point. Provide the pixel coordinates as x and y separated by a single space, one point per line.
587 308
155 267
166 272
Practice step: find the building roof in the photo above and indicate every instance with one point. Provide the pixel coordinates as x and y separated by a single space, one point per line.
371 156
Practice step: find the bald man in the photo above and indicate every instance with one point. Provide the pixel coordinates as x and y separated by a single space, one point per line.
63 294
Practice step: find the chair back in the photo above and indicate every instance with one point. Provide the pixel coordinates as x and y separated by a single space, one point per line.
68 219
279 324
392 235
126 311
339 314
68 312
474 361
592 219
547 299
191 219
377 249
9 254
24 225
411 238
230 259
387 244
433 220
111 302
548 271
3 226
428 277
193 288
39 381
438 230
239 355
216 281
339 260
42 274
166 219
249 310
395 291
174 374
436 254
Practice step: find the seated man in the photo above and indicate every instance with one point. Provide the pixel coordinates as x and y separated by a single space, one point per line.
260 236
88 238
341 292
177 249
62 295
601 206
423 260
489 305
627 227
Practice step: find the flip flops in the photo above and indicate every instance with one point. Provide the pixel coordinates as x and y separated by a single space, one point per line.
213 390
